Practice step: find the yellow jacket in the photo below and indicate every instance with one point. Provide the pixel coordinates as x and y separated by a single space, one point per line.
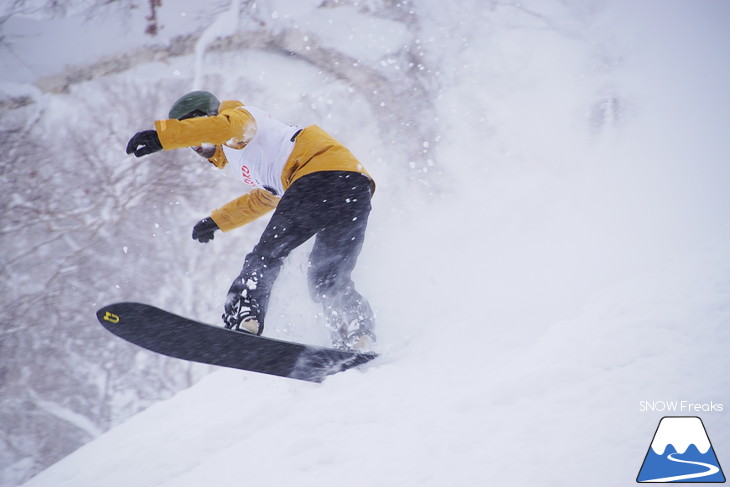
314 151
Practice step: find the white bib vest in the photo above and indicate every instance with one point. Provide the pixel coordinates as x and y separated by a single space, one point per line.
262 161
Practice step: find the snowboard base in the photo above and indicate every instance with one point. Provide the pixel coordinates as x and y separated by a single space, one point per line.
175 336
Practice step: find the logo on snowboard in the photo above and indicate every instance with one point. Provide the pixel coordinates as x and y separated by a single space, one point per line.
681 452
111 317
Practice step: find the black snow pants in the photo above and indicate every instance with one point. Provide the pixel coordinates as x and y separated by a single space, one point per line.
334 206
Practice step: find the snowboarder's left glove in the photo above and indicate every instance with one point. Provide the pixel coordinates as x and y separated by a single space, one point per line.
204 230
143 143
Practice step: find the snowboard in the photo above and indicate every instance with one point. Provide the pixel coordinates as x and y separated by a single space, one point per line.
175 336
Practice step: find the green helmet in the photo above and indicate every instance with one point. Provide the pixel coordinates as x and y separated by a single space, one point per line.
195 104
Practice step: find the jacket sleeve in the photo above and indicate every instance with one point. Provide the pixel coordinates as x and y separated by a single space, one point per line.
219 159
232 126
244 210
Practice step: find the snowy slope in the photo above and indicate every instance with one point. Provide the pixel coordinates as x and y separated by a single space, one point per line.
551 408
564 272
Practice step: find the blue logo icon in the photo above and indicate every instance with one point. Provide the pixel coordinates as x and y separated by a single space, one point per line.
681 452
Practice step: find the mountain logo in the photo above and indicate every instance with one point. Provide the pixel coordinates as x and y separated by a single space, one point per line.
681 452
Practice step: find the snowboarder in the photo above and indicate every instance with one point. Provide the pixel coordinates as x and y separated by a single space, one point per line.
316 187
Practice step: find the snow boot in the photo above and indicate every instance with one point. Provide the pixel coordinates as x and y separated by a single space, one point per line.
361 343
240 317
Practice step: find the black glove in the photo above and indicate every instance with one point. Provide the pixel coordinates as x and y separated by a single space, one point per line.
204 230
143 143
